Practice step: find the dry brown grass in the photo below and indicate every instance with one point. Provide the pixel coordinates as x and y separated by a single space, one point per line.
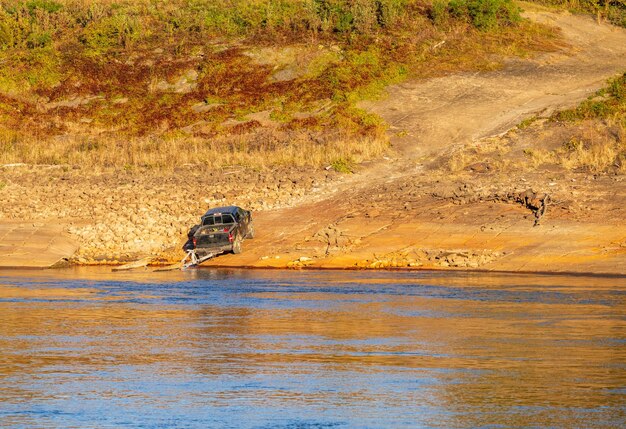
463 49
168 153
590 146
594 146
490 150
597 148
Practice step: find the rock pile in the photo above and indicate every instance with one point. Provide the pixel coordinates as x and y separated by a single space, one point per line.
460 258
301 262
536 202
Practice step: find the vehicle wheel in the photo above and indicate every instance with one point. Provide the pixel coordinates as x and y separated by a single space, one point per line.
250 232
237 245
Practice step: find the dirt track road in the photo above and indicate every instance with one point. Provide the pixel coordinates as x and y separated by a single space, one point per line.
435 114
396 214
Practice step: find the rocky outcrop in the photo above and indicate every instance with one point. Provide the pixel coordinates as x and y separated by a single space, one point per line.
444 258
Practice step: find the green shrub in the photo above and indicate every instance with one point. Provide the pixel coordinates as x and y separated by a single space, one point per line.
114 32
486 14
42 68
342 16
527 122
28 25
44 5
7 39
439 13
612 10
36 69
617 89
244 17
608 102
15 28
343 165
39 40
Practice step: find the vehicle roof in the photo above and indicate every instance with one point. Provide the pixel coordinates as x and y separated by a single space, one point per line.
227 209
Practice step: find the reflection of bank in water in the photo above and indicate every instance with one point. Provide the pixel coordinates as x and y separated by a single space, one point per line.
362 348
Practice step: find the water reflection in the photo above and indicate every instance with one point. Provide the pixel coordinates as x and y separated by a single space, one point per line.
312 349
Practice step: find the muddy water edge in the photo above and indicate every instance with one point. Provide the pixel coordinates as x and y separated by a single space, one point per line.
316 349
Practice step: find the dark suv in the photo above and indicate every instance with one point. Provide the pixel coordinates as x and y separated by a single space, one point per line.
221 229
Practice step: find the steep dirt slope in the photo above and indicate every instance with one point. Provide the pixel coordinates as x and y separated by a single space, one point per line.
403 213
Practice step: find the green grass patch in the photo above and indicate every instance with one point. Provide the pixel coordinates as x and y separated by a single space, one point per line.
485 14
111 33
343 165
527 122
597 141
608 102
613 11
31 70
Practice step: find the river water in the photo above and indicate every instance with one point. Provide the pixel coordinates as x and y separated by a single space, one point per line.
85 348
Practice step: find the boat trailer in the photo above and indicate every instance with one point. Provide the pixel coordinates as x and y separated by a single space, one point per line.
192 259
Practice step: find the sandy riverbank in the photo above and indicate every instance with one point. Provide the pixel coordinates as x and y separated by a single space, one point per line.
411 217
459 188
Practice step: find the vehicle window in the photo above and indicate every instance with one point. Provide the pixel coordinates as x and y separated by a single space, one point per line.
218 219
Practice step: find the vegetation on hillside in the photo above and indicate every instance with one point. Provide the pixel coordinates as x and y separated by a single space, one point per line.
589 138
596 131
600 145
612 10
259 82
609 103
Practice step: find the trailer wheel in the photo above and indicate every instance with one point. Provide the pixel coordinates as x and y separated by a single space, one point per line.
237 245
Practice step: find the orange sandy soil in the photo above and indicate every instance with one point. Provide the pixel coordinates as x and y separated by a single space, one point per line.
411 211
401 224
